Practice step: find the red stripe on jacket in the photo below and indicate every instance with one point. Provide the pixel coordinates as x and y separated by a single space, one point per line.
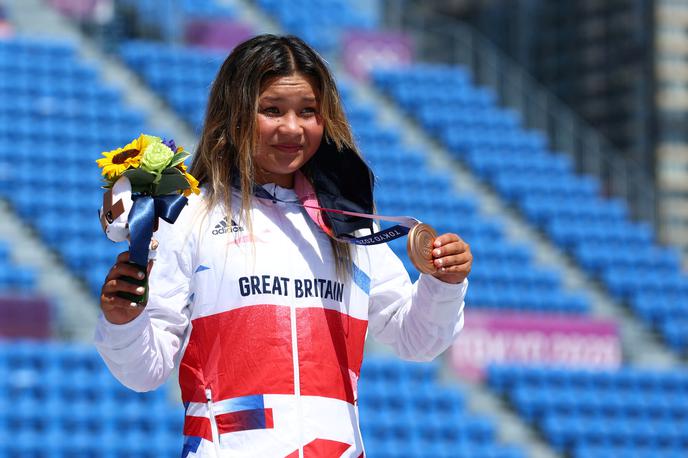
198 426
330 349
248 351
239 352
321 448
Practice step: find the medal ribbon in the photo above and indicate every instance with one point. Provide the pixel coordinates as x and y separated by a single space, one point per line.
307 200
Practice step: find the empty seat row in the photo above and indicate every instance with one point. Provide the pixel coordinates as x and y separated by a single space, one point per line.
505 296
488 163
594 403
17 279
419 73
436 426
435 120
565 432
597 256
14 278
572 230
578 408
36 48
610 451
503 377
169 20
57 124
29 109
570 208
72 129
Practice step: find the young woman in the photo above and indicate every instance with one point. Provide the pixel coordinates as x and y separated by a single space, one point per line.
256 298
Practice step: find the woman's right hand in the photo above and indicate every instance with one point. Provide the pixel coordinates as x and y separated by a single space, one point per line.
118 310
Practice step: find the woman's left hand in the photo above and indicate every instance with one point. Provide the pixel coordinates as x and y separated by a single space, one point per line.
452 258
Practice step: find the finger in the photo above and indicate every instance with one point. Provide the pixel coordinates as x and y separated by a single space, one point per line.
462 269
453 260
111 302
454 274
451 249
124 269
445 239
112 287
123 257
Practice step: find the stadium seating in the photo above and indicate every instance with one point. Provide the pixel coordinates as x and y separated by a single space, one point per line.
55 119
14 279
419 417
326 20
59 400
583 413
180 74
24 311
570 208
168 19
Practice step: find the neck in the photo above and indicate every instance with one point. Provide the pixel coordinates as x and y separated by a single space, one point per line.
282 180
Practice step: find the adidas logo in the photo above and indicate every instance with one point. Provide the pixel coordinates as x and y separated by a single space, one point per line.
222 227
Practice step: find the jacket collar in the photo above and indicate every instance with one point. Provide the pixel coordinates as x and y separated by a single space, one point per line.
341 181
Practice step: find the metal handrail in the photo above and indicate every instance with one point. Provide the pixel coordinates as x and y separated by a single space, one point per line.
451 41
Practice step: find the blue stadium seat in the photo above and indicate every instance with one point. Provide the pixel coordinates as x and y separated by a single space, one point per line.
65 403
570 208
579 409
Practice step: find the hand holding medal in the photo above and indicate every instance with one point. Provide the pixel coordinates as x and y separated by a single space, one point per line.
419 246
446 257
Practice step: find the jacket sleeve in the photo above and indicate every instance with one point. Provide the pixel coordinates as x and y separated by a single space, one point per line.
420 320
142 353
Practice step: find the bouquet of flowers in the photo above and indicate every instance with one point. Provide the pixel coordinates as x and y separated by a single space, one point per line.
145 180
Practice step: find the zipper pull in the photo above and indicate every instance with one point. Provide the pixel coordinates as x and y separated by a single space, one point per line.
213 422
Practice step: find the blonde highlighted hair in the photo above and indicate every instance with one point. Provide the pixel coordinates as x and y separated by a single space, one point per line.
224 156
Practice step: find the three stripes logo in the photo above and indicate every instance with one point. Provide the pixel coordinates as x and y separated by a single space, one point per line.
223 227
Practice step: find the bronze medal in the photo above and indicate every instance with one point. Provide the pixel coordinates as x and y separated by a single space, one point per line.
419 247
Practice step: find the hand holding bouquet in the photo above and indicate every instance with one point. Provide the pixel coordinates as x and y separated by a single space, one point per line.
145 180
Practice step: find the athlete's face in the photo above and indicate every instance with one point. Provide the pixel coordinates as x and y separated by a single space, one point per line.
289 129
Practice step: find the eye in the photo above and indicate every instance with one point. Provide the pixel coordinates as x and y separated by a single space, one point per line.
309 111
270 111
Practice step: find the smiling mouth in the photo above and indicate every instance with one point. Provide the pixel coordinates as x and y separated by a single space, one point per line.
288 148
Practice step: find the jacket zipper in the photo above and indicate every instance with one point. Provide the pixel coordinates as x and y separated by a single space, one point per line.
295 359
294 347
297 375
213 422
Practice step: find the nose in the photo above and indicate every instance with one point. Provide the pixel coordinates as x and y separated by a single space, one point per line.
290 123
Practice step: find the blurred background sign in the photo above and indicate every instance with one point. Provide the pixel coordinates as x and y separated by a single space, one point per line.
364 51
534 339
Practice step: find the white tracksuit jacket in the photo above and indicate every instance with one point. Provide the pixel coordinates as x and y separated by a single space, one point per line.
268 341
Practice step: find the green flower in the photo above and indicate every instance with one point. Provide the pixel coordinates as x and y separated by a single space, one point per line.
156 158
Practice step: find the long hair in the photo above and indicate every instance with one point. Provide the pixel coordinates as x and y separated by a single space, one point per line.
230 135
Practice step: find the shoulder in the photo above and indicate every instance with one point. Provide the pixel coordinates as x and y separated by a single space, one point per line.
190 219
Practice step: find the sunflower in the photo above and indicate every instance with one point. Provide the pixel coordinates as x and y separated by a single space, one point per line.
119 160
193 182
